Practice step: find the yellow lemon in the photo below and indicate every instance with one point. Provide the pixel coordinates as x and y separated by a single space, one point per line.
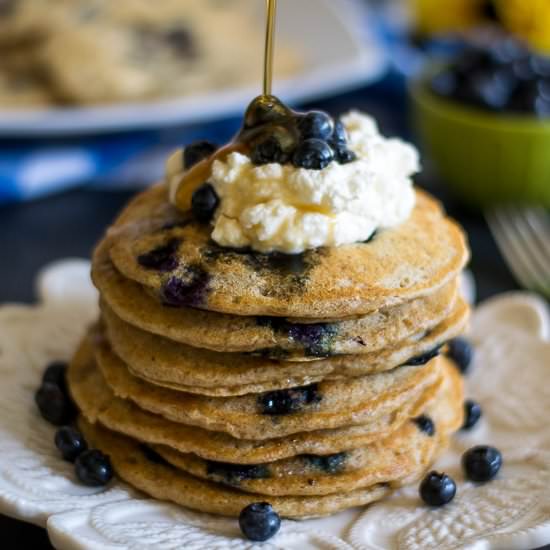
436 17
529 19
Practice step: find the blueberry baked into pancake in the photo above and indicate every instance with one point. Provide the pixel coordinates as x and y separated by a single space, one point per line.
280 327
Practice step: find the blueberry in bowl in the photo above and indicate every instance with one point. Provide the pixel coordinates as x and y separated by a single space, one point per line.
484 120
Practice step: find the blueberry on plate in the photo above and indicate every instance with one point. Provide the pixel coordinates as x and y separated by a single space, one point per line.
437 489
472 414
267 151
54 404
204 202
196 152
481 463
93 468
313 154
55 373
70 443
315 124
461 352
259 522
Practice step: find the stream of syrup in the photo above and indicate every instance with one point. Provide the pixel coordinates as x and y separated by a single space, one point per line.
269 46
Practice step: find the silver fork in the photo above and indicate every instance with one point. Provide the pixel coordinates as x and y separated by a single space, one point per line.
523 237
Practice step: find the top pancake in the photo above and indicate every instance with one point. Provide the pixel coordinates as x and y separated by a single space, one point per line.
400 264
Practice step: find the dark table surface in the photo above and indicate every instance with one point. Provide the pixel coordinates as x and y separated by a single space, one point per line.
68 225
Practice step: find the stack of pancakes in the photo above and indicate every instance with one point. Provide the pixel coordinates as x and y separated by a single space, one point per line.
217 378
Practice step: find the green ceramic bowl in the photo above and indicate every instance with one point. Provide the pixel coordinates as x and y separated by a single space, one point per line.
484 158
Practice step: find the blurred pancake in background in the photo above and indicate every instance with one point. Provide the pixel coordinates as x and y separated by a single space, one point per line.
86 52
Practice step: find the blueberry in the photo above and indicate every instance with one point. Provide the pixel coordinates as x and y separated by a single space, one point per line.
315 124
55 373
316 338
191 292
372 237
163 258
54 404
523 69
233 474
508 50
93 468
313 154
425 424
339 135
331 464
472 59
481 463
196 152
472 414
181 41
151 455
70 443
437 489
542 107
267 151
283 402
204 202
461 352
259 522
541 65
444 83
420 360
493 89
344 155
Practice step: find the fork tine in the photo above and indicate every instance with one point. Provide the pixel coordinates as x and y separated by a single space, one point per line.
514 262
517 240
537 247
525 247
538 221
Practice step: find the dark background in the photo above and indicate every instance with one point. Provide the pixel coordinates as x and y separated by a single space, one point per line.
68 225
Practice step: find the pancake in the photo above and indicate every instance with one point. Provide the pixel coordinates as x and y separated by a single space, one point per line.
329 404
178 366
163 482
269 336
97 403
395 457
400 264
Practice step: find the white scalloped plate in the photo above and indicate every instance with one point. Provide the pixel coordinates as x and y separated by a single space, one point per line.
509 378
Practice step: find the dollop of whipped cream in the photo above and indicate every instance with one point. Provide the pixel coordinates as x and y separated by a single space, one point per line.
282 208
